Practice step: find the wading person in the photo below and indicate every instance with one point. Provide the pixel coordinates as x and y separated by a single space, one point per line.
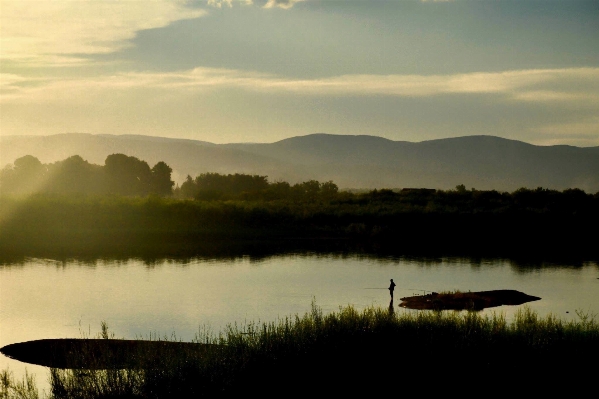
391 288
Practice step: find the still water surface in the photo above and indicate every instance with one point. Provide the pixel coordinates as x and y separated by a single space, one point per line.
50 299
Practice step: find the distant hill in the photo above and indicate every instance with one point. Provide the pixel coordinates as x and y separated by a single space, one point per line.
483 162
184 156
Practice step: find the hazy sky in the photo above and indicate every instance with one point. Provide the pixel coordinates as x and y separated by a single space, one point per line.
264 70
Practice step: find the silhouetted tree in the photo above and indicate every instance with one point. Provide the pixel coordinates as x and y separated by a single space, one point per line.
189 189
278 191
26 175
127 175
307 190
210 186
328 189
460 188
161 182
75 175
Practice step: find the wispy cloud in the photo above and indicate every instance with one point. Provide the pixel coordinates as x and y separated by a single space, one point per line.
51 32
227 3
286 4
197 100
557 96
537 85
585 128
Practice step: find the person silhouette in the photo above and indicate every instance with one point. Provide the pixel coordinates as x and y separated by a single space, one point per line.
391 288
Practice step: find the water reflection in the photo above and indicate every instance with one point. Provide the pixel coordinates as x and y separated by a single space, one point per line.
257 252
58 297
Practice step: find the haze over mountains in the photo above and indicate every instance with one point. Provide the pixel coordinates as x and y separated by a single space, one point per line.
483 162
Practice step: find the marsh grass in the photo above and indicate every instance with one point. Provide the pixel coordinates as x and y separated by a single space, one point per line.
353 352
94 225
11 388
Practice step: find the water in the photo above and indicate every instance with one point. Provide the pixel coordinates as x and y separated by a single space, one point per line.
51 299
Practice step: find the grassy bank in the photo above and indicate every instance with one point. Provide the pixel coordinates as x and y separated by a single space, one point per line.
370 352
111 225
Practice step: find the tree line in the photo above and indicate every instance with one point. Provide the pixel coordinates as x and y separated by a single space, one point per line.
214 186
129 176
120 175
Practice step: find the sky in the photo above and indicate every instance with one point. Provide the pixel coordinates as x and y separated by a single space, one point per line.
264 70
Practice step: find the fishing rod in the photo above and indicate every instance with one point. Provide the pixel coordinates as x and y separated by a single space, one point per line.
408 289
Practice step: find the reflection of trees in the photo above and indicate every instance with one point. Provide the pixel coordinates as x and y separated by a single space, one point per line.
161 252
525 266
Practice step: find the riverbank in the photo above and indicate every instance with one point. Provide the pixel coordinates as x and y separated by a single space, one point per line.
376 351
101 226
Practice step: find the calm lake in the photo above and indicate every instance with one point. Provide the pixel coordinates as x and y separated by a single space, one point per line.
42 298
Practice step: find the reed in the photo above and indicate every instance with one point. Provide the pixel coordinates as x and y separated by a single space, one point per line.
12 388
53 225
351 352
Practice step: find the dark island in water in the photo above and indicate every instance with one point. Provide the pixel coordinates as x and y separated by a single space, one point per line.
466 300
101 354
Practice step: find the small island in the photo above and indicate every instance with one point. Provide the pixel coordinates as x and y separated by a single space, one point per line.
466 300
99 354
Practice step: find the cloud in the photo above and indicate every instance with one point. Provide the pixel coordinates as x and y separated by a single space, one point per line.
548 106
537 85
49 33
582 133
556 96
286 4
227 3
585 128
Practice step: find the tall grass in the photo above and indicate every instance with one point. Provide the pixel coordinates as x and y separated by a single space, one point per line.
11 388
351 352
51 226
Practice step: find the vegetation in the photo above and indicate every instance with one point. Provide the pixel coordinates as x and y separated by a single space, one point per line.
121 174
11 388
352 352
449 222
84 209
466 300
212 186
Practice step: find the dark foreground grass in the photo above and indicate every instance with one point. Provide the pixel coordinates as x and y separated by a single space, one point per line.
372 352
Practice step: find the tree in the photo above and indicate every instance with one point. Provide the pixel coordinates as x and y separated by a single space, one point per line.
307 190
328 189
460 188
277 191
26 175
75 175
189 189
127 175
161 182
210 186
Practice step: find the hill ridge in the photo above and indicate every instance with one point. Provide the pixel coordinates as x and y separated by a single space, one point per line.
352 161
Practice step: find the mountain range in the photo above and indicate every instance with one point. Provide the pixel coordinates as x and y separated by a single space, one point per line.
368 162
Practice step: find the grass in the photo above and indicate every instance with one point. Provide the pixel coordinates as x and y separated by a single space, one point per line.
11 388
355 352
80 226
